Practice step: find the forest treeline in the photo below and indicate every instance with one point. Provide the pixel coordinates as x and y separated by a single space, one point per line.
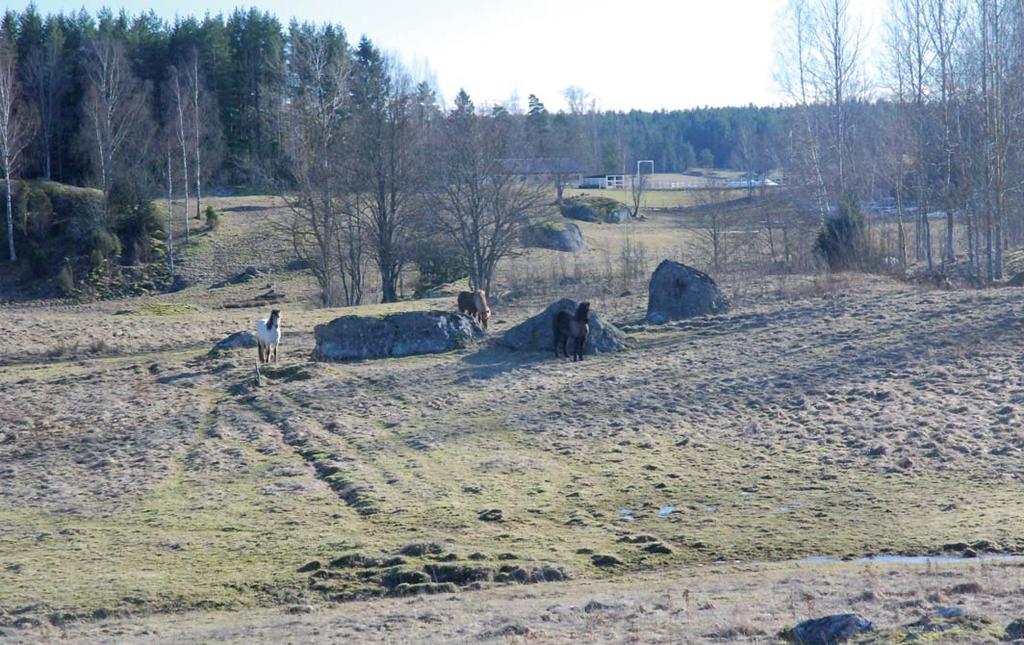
377 168
242 67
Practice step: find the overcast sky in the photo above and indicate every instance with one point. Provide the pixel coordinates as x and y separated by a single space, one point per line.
647 55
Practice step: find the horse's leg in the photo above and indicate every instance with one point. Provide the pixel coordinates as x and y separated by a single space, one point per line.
557 339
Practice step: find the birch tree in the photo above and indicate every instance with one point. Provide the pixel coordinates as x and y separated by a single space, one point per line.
15 129
180 99
114 100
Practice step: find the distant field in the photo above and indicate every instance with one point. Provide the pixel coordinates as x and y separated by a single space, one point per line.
663 198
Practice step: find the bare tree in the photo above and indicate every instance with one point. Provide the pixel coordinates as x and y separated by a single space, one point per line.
179 97
837 74
795 76
910 64
114 100
45 77
324 227
170 214
15 129
387 167
944 22
636 193
194 82
484 206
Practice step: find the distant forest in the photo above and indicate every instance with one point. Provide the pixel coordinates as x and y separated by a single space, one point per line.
375 164
242 64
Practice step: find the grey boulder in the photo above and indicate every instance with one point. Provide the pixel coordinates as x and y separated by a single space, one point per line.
537 333
557 236
677 291
394 335
829 629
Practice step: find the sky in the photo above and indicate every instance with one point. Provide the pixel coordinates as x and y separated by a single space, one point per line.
650 55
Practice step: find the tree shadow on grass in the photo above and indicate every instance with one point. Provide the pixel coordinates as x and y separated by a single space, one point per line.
494 360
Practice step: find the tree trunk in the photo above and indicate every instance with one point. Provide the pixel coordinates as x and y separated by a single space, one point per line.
195 115
170 215
10 210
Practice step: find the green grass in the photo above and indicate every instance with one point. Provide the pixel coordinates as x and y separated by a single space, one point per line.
662 198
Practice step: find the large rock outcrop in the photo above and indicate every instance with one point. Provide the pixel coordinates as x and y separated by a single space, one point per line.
394 335
558 236
677 291
537 333
595 209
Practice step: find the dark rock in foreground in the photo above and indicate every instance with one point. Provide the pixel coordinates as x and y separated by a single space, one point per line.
1014 631
537 333
829 629
677 291
403 334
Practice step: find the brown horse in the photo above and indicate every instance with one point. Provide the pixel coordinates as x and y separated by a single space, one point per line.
576 327
474 303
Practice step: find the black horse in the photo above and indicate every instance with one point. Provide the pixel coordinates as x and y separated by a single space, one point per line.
576 327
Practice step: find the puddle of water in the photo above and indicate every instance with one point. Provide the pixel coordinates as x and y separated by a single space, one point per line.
666 511
915 559
787 508
710 508
626 515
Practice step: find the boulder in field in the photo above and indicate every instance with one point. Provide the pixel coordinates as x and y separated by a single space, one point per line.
537 333
580 209
595 209
237 340
394 335
677 291
620 215
557 236
829 629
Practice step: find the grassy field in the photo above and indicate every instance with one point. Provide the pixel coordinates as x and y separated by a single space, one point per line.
141 475
663 198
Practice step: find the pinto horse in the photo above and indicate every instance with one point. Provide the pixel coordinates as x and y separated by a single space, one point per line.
474 303
575 326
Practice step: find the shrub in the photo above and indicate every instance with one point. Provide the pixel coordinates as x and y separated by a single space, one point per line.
141 230
38 216
842 241
212 218
66 279
104 243
437 264
38 261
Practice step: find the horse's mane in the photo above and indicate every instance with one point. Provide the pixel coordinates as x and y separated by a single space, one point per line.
583 312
